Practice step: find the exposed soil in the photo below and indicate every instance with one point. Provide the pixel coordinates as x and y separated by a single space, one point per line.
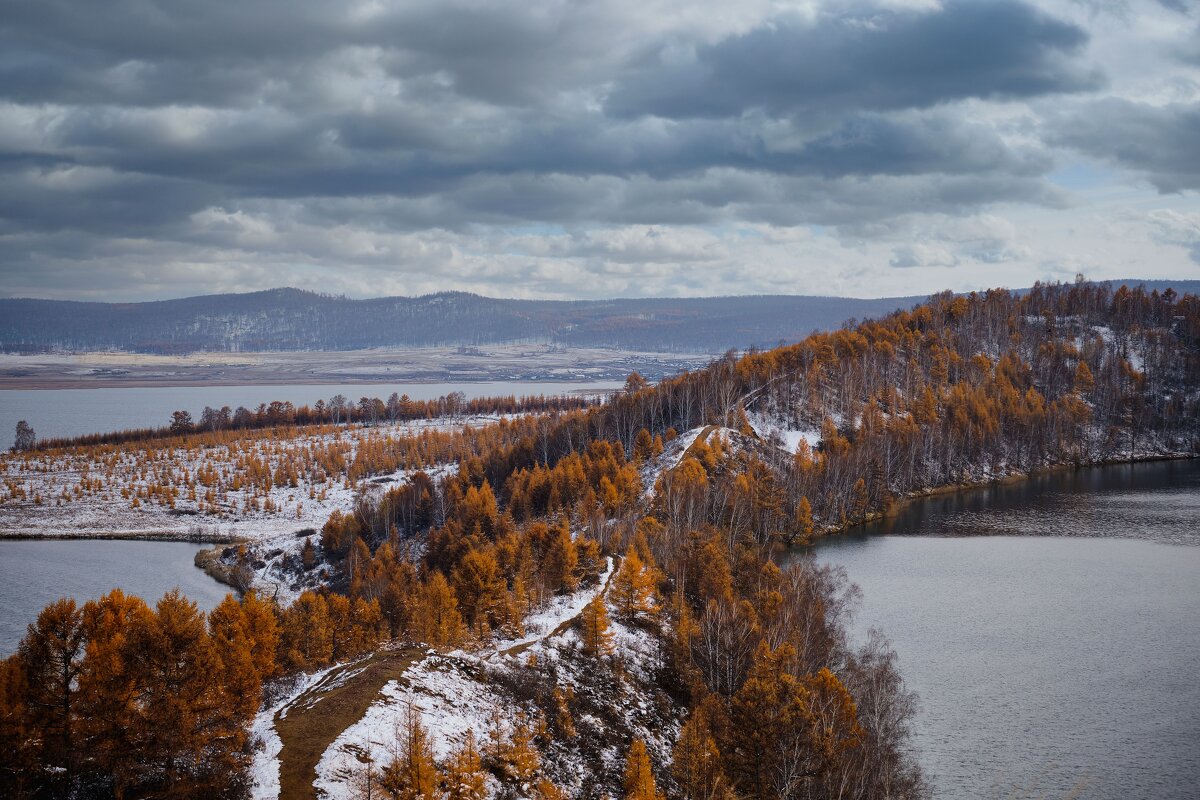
308 726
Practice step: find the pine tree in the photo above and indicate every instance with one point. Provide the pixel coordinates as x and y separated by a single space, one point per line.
633 587
50 657
110 684
1084 382
596 636
234 648
513 754
262 625
561 561
482 591
190 738
438 621
643 446
19 763
696 762
523 759
804 520
307 640
639 778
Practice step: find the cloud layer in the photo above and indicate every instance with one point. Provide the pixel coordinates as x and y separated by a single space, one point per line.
565 149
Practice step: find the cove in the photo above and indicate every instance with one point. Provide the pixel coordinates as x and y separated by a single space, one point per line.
36 572
1051 628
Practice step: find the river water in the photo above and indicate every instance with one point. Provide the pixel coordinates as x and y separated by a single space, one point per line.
1051 628
73 412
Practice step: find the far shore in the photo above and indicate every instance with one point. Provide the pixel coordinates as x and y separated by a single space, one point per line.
510 363
130 536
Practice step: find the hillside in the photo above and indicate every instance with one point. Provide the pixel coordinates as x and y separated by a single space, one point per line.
586 603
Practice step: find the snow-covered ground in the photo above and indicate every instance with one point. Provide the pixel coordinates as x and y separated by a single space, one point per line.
205 492
767 427
460 692
264 768
668 460
450 701
541 623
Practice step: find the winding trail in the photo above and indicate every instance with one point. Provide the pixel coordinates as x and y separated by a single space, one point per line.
308 725
562 627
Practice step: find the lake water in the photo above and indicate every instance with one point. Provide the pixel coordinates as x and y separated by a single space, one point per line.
34 573
1058 657
72 412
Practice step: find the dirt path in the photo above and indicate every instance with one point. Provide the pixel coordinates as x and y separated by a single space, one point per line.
308 726
703 437
566 623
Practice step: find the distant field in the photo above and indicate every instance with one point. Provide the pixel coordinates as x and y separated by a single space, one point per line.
511 362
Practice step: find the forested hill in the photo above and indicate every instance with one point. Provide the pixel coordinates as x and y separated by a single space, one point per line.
709 670
289 319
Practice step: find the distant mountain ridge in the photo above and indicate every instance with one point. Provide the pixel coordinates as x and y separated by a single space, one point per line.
295 320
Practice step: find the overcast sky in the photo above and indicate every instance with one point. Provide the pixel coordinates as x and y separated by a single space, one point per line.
594 148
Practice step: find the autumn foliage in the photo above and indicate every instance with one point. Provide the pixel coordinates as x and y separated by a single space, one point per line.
770 697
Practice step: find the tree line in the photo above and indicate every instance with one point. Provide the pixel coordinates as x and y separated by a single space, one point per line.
776 703
338 410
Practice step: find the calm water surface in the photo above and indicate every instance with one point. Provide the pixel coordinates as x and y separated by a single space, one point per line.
34 573
1060 656
73 412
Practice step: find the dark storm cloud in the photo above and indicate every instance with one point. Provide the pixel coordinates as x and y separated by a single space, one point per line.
224 52
235 129
1159 143
887 60
1182 6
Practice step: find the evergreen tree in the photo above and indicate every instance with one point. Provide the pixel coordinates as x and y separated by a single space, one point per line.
438 621
50 658
696 762
633 588
411 774
804 520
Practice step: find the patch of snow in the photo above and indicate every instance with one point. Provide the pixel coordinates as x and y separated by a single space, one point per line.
450 700
766 428
669 459
560 609
264 766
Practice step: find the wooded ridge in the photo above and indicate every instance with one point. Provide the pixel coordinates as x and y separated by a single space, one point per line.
702 669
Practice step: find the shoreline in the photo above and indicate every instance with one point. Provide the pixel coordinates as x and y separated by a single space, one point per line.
897 507
123 536
903 502
44 385
499 363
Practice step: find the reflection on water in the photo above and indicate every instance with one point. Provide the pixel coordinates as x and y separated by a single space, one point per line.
1058 659
1155 500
